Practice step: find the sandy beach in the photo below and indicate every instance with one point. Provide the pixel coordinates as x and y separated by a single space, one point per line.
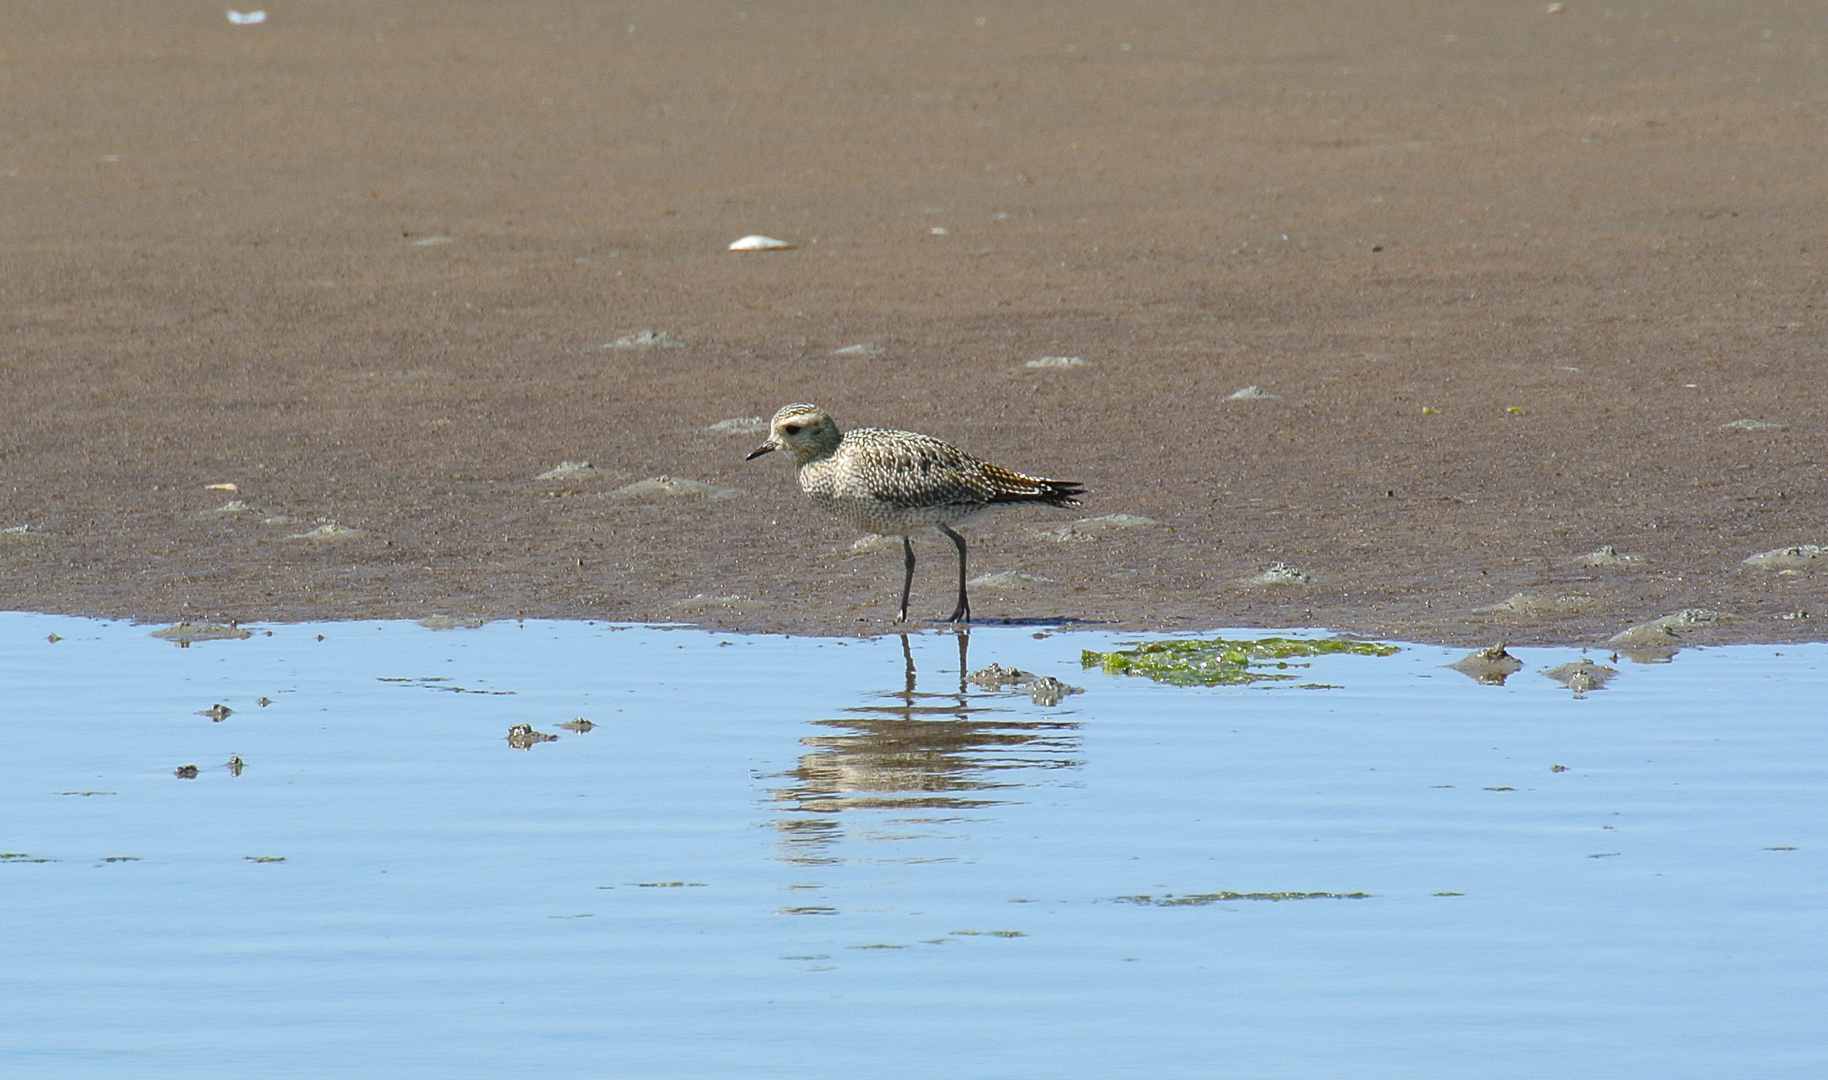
1515 289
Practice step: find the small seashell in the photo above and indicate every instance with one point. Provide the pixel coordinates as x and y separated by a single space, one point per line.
758 242
1557 9
246 18
1252 393
220 487
938 231
434 241
1752 425
865 348
1057 362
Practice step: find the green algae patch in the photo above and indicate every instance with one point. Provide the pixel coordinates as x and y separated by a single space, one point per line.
1197 899
1221 661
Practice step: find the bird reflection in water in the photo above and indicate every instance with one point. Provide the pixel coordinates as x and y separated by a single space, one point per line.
922 751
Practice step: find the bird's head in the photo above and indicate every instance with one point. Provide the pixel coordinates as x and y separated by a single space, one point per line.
804 432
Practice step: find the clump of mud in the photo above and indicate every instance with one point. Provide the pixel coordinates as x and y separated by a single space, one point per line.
1489 666
996 677
739 425
452 622
1278 574
1608 555
1790 559
669 488
522 737
1659 639
571 470
1088 530
1046 690
1582 675
186 632
329 531
1543 607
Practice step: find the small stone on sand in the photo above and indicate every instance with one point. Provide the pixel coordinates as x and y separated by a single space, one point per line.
235 506
667 488
1752 425
1252 393
862 348
1056 362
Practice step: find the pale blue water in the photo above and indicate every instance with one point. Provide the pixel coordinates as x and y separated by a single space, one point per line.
768 859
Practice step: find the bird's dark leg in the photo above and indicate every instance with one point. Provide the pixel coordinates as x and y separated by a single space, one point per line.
907 581
963 611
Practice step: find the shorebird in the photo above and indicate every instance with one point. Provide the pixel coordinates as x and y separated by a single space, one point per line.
897 482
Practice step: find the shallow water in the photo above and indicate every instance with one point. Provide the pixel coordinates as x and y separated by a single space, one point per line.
790 857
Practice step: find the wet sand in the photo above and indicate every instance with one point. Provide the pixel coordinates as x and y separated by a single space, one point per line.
1506 273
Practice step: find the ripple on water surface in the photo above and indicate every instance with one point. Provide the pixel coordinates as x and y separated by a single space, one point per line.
561 849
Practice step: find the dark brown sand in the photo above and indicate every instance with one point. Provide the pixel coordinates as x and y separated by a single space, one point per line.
1507 273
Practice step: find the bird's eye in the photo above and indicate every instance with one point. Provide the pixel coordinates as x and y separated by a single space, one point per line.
791 429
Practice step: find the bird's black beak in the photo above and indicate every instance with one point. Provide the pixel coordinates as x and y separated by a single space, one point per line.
759 451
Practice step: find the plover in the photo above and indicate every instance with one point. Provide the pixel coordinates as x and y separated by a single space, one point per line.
896 482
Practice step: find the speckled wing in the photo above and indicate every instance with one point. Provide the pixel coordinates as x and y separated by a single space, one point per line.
911 470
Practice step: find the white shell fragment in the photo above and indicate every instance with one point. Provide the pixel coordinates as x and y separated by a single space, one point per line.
863 348
220 487
246 18
1252 393
646 339
1057 362
758 242
1752 425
